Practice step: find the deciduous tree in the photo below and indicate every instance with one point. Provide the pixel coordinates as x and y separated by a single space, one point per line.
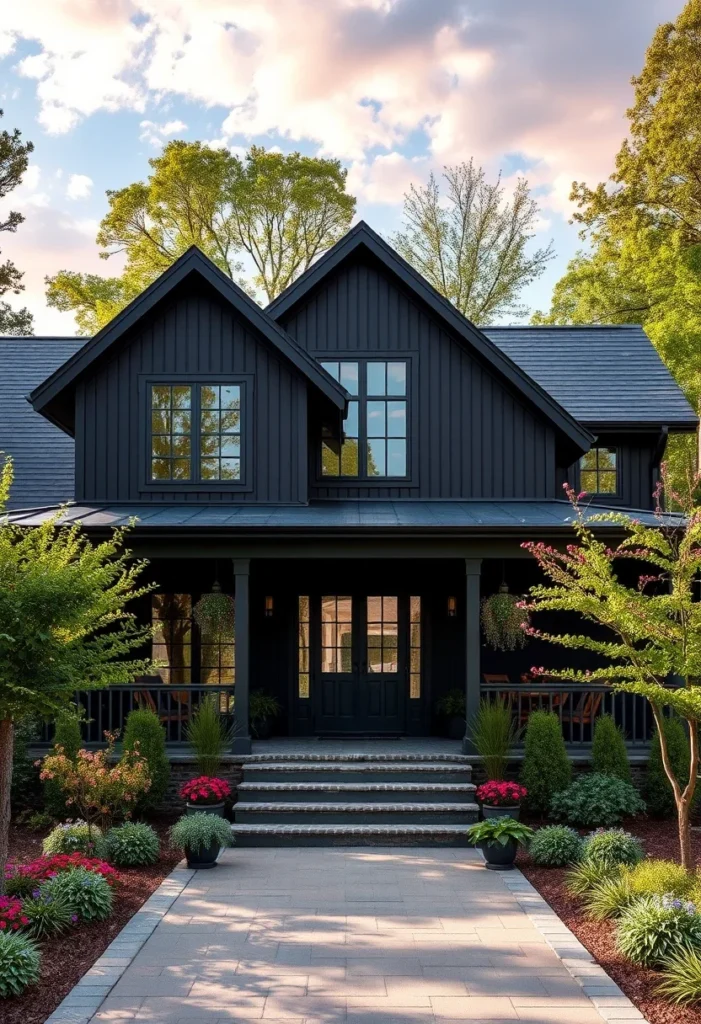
14 157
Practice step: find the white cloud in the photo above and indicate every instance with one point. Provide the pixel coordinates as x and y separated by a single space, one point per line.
79 186
155 134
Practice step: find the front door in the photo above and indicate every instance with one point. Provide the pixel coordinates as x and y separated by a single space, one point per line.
360 682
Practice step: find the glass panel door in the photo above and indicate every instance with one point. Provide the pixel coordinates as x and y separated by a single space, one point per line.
337 696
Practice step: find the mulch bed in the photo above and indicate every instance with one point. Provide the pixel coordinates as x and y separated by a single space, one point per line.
639 984
65 960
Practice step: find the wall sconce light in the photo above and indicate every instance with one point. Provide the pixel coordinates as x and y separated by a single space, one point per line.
268 607
452 608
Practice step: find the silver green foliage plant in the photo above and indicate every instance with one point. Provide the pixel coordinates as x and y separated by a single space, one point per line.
682 977
610 847
88 894
654 928
131 845
19 964
555 846
197 832
74 837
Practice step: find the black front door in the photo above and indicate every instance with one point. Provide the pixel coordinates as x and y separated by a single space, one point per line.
360 679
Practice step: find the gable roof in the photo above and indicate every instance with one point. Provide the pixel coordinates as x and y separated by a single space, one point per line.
601 374
42 454
192 262
362 236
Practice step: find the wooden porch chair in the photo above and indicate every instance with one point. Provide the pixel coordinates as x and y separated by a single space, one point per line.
586 711
144 698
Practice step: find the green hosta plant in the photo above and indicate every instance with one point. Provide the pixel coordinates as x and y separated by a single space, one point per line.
19 964
132 844
88 894
555 846
682 977
609 847
654 928
499 830
74 837
49 914
596 800
198 832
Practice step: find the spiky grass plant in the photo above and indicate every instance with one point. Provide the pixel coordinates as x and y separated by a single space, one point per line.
682 977
583 877
208 736
494 733
609 897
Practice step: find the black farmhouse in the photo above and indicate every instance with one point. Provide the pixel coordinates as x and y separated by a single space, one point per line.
357 465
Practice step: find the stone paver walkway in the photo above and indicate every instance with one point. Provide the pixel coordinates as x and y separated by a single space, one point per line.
369 935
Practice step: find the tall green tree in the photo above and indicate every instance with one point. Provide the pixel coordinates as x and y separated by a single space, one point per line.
14 157
472 245
63 625
643 227
280 211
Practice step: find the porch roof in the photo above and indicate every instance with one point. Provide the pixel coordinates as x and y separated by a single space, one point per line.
514 516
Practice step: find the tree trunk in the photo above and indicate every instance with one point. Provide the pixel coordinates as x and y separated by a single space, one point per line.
683 808
6 745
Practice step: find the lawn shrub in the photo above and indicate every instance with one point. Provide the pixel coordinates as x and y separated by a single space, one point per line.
555 846
74 837
657 790
19 964
654 928
48 914
66 735
144 732
608 753
88 895
132 845
596 800
682 977
546 769
613 846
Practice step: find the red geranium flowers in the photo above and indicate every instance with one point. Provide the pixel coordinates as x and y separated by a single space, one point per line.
501 794
46 867
205 790
11 916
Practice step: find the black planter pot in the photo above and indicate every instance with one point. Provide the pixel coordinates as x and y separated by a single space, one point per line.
217 809
501 812
498 857
262 728
456 727
203 858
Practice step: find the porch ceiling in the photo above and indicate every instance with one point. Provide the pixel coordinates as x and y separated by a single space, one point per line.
334 517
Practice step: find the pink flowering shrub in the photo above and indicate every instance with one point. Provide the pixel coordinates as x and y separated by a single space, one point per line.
22 879
205 790
501 794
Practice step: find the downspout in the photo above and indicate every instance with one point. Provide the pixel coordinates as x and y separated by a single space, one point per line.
657 458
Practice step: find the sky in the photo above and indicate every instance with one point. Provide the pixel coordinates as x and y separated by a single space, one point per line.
392 88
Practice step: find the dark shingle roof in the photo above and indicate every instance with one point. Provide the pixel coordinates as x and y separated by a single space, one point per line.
335 516
42 454
599 374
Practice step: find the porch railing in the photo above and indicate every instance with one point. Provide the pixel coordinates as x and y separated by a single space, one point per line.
578 706
107 710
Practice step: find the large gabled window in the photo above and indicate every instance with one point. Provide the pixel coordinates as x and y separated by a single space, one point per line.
196 433
375 435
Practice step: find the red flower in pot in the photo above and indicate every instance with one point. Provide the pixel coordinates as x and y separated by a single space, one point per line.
206 794
501 799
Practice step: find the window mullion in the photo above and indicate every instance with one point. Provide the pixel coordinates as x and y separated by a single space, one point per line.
362 419
196 430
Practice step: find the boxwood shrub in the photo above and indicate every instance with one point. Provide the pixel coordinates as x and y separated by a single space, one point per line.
555 846
596 800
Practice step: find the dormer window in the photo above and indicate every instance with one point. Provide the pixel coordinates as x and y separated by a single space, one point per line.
196 433
374 443
597 471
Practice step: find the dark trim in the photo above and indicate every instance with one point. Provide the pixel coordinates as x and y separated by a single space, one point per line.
245 484
363 236
193 261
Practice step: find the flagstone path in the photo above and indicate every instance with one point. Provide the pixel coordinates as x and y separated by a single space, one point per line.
365 935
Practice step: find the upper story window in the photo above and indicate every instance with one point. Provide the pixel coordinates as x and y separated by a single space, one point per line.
196 433
375 429
597 471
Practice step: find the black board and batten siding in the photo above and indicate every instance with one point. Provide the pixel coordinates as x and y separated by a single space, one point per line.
471 436
638 463
197 334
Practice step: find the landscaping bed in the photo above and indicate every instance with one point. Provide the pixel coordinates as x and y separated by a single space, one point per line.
66 958
639 984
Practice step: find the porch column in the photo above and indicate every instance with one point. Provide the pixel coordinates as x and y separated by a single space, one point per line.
242 739
473 569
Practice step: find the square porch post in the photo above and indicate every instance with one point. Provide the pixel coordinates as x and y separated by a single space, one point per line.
473 570
242 739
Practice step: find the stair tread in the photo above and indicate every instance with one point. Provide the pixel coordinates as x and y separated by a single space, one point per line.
255 759
360 766
319 829
356 808
357 787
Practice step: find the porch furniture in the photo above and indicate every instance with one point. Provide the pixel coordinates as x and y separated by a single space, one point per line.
144 698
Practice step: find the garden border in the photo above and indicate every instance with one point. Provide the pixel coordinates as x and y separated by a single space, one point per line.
86 997
611 1003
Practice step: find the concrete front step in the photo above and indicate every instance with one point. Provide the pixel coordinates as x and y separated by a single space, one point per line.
357 792
349 835
358 771
246 759
355 813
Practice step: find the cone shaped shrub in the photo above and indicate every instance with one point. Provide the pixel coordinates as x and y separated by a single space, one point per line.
546 769
608 753
143 732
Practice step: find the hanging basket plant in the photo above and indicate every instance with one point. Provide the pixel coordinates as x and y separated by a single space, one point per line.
214 615
503 621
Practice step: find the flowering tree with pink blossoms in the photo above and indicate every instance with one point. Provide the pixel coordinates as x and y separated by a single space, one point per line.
652 625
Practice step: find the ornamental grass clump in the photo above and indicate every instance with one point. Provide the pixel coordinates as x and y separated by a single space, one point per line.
208 736
596 800
501 794
609 897
74 837
48 914
494 733
682 977
585 875
88 895
555 846
132 845
611 847
654 928
19 964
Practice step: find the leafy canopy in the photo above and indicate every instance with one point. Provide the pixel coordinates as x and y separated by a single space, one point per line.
14 157
278 211
471 245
